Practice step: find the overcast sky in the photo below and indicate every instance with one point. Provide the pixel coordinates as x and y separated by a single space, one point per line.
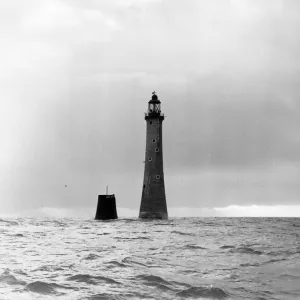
75 80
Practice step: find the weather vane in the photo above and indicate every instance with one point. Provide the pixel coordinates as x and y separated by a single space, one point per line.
153 93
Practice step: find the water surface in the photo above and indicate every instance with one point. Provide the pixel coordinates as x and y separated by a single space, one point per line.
182 258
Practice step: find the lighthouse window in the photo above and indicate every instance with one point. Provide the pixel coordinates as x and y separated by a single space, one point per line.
150 122
150 158
144 186
156 150
157 176
154 140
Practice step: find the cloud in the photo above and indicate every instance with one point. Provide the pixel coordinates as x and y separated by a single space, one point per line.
231 130
76 78
214 187
58 15
49 15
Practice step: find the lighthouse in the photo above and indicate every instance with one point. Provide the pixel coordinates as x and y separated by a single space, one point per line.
153 203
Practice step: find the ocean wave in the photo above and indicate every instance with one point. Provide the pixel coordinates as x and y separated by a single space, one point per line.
157 223
86 278
289 276
11 280
156 281
153 248
48 268
21 272
275 253
132 238
227 247
85 227
17 235
284 252
115 263
212 224
189 271
123 296
295 225
195 247
9 222
250 265
182 233
205 292
273 261
246 250
129 220
103 296
91 256
43 268
59 223
152 279
132 261
45 288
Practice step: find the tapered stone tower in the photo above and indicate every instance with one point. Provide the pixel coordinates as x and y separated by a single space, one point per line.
153 204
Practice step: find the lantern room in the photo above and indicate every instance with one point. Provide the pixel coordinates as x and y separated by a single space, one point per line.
154 104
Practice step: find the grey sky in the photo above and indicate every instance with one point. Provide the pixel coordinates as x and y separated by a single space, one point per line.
77 75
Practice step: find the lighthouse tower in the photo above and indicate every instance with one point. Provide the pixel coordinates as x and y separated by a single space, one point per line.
153 204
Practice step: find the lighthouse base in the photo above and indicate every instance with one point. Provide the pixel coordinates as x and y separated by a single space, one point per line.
153 215
106 208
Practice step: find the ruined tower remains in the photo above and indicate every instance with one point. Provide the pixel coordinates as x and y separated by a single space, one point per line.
153 204
106 207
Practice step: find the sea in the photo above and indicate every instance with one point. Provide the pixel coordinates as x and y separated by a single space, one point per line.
179 258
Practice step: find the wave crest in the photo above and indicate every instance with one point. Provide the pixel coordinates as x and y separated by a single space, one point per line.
156 281
195 247
44 288
86 278
182 233
11 280
206 292
246 250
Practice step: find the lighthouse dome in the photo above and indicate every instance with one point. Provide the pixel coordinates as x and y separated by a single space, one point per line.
154 97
